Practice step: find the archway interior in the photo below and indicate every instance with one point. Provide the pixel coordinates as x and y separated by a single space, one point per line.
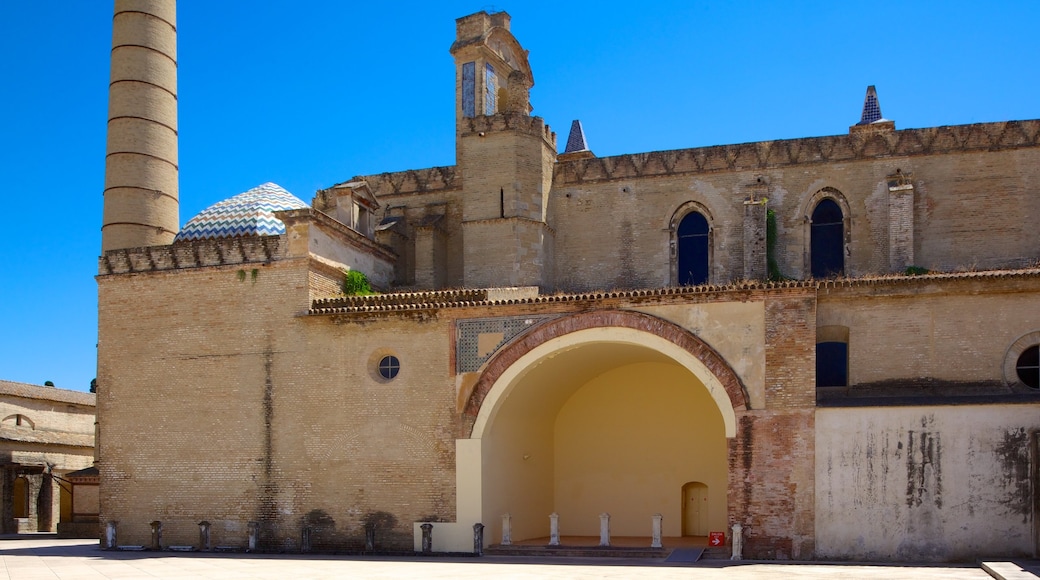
603 427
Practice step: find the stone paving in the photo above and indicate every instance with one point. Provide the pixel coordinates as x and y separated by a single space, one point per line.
50 558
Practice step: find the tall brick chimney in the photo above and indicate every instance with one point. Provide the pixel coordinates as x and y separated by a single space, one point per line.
141 193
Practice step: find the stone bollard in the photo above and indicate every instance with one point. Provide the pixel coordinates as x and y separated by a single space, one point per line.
655 536
478 539
204 536
254 536
507 530
305 542
427 538
110 535
554 529
738 542
156 535
370 538
604 529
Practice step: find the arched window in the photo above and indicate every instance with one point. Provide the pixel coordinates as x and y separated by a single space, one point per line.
692 251
827 246
832 364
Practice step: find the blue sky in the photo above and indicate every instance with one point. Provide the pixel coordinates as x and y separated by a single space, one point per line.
310 94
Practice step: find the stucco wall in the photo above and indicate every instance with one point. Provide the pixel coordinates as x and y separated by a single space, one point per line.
924 483
627 442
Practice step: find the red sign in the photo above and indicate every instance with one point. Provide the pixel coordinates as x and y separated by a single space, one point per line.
716 538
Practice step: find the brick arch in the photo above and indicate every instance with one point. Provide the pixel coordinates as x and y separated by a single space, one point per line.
542 333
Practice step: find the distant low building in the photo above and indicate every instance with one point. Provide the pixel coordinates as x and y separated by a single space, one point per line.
46 433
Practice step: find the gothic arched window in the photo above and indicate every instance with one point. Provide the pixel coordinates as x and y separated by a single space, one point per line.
827 246
692 250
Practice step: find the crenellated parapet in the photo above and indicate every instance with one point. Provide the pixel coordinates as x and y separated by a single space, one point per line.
518 122
812 150
426 180
193 254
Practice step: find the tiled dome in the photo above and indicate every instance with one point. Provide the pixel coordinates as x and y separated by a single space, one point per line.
246 214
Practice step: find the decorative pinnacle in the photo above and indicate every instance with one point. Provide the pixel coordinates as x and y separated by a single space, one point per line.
871 107
576 139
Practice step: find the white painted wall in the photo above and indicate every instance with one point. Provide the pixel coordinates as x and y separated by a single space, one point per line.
924 483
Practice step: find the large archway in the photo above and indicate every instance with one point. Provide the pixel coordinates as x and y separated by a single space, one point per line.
598 412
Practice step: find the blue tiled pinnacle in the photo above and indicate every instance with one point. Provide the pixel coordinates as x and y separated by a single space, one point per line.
246 214
871 107
576 139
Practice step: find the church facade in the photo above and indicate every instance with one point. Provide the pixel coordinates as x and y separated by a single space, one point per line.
830 341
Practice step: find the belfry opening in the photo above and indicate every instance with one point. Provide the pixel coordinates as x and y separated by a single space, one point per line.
603 420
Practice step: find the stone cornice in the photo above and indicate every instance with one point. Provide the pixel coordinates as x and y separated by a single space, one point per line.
192 254
809 150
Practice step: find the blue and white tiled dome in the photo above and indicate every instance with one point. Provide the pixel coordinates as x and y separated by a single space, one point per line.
246 214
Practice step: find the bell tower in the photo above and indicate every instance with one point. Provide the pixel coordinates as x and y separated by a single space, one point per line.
506 157
141 193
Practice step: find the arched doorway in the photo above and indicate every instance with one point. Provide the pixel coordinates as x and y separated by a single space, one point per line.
827 246
614 417
695 510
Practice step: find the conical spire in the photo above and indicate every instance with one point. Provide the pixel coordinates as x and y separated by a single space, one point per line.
576 140
871 107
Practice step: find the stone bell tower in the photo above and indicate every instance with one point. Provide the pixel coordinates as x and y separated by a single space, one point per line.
506 157
141 194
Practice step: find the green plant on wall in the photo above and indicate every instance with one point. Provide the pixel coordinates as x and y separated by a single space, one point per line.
355 283
775 274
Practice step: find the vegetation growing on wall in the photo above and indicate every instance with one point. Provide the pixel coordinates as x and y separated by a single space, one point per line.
355 283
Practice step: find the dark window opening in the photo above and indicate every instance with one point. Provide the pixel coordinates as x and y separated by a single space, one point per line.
389 366
832 364
1028 367
827 246
692 252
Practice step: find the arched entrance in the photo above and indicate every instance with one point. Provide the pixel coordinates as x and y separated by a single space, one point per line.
598 412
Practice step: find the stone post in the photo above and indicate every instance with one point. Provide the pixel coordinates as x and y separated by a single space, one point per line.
156 535
478 539
427 537
254 536
604 529
755 250
554 529
305 542
655 537
110 535
507 530
738 542
204 544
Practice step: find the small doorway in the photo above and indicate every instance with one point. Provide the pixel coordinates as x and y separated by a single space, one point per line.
695 509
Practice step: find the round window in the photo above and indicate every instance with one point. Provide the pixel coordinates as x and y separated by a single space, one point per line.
1028 367
389 366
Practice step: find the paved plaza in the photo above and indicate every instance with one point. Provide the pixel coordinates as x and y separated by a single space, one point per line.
45 557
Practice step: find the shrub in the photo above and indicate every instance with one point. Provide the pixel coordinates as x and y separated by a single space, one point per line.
355 283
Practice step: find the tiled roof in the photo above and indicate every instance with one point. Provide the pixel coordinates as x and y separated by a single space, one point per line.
246 214
465 298
27 391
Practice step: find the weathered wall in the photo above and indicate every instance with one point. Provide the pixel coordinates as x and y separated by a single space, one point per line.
910 334
269 417
612 214
924 483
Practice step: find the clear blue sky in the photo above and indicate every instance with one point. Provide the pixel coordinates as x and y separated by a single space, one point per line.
310 94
